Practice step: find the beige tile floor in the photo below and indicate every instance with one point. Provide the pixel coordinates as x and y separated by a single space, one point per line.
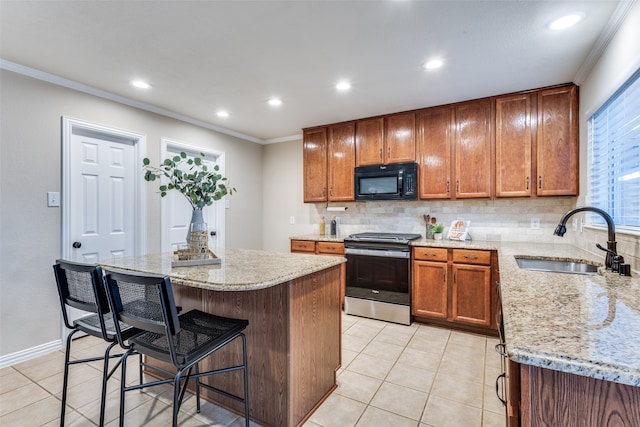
391 375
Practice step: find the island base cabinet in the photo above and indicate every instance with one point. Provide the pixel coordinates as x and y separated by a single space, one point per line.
553 398
293 345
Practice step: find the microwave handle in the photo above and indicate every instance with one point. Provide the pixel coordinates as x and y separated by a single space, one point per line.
400 186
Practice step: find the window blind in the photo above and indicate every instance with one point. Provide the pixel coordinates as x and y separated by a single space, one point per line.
614 156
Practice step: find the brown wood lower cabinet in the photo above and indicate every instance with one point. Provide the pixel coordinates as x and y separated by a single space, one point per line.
453 287
553 398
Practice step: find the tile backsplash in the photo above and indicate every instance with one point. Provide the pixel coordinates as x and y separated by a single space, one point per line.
492 220
502 220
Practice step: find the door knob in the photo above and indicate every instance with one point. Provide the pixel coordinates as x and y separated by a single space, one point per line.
213 233
76 245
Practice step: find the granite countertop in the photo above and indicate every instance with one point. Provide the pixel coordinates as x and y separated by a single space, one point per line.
320 238
581 324
239 270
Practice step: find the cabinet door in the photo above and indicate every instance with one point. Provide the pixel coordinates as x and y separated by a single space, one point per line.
341 162
434 153
471 294
314 154
400 138
429 289
557 142
513 146
472 150
369 141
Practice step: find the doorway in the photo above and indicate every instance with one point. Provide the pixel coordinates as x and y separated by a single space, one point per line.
176 210
103 209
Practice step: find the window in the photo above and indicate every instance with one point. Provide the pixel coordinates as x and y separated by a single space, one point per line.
614 155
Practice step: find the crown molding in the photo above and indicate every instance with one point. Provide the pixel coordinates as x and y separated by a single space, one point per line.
81 87
607 34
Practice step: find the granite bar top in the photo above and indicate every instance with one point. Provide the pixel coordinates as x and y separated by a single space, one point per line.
239 270
586 325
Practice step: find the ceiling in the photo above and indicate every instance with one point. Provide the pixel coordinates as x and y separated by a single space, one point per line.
204 56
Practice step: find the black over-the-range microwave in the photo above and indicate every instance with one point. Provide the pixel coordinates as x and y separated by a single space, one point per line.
396 181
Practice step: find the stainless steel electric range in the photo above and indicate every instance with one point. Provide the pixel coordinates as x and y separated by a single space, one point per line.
378 278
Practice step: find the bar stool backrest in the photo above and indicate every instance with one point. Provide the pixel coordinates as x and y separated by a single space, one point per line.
145 302
81 286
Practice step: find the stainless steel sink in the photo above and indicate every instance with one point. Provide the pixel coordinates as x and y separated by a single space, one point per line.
556 266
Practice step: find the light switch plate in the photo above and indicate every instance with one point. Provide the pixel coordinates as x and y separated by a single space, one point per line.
53 199
535 223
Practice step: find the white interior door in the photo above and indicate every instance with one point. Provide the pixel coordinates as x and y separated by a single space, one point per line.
176 210
102 199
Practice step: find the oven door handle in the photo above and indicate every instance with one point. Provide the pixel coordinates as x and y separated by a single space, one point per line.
378 252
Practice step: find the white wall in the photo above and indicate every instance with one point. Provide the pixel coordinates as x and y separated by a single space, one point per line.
30 165
618 62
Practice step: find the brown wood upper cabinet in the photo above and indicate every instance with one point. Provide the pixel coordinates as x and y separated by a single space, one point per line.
314 152
341 161
557 142
472 149
369 141
384 140
433 145
537 143
514 146
328 162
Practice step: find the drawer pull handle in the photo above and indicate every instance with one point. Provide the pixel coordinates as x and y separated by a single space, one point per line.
502 377
471 257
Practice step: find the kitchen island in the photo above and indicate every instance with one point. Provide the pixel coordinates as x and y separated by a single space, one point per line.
292 302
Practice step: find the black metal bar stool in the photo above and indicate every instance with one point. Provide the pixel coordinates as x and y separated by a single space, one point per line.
81 286
146 302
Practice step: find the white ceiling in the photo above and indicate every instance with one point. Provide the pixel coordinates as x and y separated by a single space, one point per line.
202 56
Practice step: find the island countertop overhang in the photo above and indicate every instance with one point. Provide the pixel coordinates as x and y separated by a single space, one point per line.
239 269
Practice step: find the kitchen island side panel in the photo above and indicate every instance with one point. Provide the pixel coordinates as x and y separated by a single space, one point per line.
315 334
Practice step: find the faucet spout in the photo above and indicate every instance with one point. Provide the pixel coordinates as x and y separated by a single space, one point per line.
611 230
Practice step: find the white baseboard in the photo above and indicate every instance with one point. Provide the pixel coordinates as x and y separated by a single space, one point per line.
30 353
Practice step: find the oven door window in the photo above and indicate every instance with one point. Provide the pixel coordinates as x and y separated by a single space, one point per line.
378 278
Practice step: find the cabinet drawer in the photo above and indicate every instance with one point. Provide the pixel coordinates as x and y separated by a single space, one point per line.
303 246
430 254
464 256
330 248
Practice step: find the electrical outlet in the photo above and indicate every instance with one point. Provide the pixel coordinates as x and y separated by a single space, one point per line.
292 220
535 223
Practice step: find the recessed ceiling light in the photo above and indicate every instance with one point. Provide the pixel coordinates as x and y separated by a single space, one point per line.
433 64
344 85
140 84
566 21
223 113
274 102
